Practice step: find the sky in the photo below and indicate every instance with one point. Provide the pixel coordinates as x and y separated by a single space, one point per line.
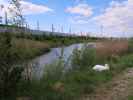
111 18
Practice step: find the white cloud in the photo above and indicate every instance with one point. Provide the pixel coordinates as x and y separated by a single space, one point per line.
81 9
79 20
117 18
29 8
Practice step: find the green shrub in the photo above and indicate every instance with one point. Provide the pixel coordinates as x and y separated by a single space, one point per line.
130 46
88 56
127 61
76 59
10 73
43 89
130 97
57 84
83 59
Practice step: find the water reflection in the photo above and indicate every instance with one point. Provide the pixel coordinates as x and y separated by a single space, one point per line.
40 62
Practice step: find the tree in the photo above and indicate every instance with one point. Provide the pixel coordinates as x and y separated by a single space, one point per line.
10 73
15 10
1 9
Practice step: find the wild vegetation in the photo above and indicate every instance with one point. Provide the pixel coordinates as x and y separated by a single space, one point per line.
54 40
60 81
27 49
59 84
79 79
14 51
10 74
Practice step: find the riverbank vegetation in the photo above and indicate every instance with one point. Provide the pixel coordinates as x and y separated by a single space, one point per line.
10 73
27 49
54 39
78 78
14 51
61 80
28 46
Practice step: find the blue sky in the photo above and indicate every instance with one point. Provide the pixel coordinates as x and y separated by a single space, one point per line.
93 17
59 17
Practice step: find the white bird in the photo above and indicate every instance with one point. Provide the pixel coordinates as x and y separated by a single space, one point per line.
101 67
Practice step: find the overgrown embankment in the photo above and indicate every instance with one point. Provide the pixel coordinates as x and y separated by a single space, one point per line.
14 50
27 49
76 80
28 46
80 79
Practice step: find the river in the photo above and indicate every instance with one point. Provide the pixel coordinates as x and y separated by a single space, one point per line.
40 62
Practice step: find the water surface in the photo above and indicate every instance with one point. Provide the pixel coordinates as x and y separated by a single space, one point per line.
41 61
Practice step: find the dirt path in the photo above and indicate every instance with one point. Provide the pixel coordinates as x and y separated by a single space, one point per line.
118 89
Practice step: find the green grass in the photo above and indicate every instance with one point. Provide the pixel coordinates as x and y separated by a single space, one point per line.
130 97
26 49
130 50
29 46
79 80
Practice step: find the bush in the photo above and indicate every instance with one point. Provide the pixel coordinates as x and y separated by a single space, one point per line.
76 59
88 57
49 87
83 59
130 97
10 74
58 84
130 46
122 63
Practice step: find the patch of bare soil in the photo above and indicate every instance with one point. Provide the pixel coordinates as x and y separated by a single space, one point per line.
118 89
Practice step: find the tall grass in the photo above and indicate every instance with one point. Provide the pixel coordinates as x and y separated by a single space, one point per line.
130 46
26 49
10 73
80 79
82 59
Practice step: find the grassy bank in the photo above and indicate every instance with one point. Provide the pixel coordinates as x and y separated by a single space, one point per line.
15 50
26 49
28 46
57 84
80 79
